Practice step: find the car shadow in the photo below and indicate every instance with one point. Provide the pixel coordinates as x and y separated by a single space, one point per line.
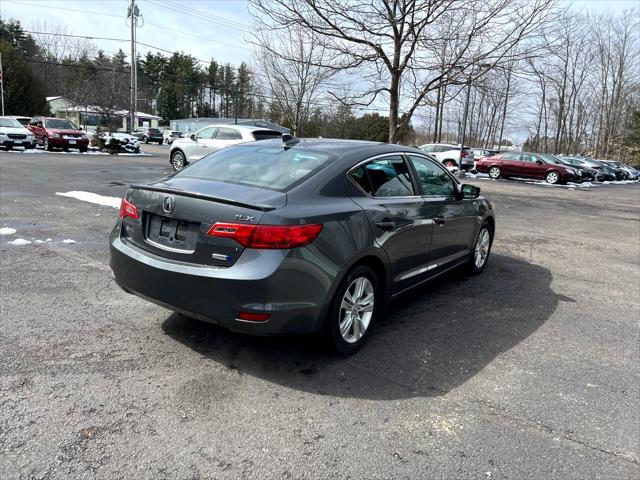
425 344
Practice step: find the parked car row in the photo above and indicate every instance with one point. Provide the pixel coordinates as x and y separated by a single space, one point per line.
553 169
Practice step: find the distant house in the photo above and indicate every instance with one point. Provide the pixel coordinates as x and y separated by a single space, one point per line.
90 117
190 125
58 103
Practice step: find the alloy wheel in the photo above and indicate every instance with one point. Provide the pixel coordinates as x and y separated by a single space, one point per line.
356 309
177 161
552 177
494 172
481 251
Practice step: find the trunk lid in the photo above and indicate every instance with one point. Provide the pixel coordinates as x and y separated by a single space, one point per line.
175 215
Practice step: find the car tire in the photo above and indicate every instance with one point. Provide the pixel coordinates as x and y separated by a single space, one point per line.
83 149
165 141
45 144
146 140
178 160
552 177
495 172
353 310
481 250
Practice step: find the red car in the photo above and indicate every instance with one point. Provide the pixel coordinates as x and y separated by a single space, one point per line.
528 165
51 132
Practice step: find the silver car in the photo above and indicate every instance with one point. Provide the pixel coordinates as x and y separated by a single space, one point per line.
212 138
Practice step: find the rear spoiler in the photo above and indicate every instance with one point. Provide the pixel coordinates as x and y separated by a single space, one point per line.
254 206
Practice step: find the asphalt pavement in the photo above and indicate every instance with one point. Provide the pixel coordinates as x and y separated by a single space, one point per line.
530 370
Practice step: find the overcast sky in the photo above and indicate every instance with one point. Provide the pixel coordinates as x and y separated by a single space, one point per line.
202 28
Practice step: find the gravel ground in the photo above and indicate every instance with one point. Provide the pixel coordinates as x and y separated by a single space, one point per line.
530 370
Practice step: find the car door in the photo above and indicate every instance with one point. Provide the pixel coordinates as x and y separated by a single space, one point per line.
202 145
533 166
397 215
453 218
510 164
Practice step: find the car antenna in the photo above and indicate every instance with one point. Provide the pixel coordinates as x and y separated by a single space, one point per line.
289 141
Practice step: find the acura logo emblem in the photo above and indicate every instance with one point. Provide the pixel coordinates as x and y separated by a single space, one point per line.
168 204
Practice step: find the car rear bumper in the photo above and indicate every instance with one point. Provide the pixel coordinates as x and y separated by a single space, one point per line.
263 282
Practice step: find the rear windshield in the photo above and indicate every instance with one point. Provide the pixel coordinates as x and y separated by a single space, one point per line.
265 134
272 167
154 130
60 123
24 121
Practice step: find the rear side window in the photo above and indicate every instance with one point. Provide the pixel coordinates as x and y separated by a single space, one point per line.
386 177
272 167
427 148
265 134
228 134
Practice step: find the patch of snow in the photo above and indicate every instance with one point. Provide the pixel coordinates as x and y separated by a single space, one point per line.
40 241
48 240
68 241
7 231
19 241
92 198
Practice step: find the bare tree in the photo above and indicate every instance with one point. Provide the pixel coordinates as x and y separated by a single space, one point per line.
391 41
289 61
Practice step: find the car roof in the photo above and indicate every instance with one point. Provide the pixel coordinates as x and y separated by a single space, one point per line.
249 128
339 146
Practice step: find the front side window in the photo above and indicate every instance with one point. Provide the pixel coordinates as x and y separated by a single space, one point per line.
385 177
205 133
432 178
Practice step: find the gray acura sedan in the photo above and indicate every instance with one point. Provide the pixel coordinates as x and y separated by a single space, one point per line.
305 236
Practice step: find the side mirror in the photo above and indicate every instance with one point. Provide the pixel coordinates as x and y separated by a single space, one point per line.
80 128
539 162
193 137
39 124
469 191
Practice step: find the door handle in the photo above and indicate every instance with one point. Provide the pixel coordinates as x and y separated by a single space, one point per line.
386 224
439 220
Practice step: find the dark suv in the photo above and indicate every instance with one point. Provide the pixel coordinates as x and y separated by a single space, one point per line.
51 132
153 135
530 165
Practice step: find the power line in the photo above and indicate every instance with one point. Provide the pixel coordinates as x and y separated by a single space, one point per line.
72 9
201 15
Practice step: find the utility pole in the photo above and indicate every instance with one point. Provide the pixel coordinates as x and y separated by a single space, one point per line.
133 14
464 127
2 83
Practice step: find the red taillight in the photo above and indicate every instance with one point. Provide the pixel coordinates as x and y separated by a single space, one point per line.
253 317
128 209
267 236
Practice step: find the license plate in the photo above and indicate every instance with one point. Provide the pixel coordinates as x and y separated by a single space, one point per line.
18 142
72 142
171 233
